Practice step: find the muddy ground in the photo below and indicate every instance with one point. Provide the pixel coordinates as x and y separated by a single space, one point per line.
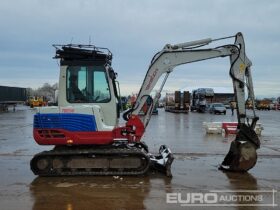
195 169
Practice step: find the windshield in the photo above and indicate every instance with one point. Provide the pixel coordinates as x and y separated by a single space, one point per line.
87 84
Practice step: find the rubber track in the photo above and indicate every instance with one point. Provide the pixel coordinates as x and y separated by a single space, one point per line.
111 152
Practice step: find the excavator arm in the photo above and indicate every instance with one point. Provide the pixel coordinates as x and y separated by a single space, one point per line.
242 155
166 61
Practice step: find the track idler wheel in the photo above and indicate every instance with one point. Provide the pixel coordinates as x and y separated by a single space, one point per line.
242 154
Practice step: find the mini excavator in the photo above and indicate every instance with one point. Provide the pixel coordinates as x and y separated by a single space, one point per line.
84 128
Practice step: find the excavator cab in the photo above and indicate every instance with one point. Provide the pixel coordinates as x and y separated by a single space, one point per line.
87 78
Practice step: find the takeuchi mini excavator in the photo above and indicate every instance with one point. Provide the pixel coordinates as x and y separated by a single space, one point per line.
84 128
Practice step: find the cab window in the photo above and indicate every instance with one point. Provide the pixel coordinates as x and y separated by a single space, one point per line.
87 85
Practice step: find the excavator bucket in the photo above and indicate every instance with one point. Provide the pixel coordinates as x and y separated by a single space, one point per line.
242 154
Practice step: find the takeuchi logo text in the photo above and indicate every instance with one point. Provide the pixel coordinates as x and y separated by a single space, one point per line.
152 77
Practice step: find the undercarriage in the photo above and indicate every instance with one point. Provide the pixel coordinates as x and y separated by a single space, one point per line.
116 159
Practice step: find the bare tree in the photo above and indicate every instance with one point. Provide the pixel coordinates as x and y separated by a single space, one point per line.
47 91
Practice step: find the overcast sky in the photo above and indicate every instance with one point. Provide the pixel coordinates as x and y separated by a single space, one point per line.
134 31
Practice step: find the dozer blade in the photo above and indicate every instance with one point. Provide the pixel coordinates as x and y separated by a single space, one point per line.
163 161
242 154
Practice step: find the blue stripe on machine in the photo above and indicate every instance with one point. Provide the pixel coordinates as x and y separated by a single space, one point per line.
67 121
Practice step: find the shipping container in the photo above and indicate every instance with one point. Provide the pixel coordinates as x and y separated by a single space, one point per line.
12 94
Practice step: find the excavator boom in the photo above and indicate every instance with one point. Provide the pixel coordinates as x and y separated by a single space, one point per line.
165 61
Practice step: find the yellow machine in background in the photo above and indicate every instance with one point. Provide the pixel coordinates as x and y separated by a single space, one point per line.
36 101
263 104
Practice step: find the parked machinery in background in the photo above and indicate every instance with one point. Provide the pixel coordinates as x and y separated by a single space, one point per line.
177 102
201 98
249 104
146 106
37 101
263 104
